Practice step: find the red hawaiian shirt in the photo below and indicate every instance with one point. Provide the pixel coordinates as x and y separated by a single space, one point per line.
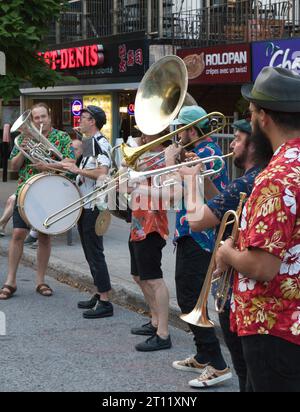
271 222
150 217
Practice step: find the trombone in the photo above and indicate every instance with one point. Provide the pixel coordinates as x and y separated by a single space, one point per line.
198 316
132 175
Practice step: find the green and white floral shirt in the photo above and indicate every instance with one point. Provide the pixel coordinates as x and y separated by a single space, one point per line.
61 140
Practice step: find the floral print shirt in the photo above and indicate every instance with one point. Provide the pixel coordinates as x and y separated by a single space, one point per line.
151 216
271 222
229 199
206 238
59 139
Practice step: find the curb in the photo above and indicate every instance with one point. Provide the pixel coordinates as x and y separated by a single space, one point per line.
122 295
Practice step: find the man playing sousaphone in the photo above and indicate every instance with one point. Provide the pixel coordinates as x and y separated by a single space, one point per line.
41 118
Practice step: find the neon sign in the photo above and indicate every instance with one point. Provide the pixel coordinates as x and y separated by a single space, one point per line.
74 57
130 109
76 107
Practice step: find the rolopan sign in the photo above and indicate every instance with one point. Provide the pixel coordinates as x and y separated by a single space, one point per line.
2 64
218 65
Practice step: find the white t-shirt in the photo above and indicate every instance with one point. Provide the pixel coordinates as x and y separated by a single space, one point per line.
102 158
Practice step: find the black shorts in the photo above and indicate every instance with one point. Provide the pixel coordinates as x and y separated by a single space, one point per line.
18 222
145 257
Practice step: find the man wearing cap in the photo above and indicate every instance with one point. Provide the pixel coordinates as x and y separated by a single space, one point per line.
95 164
265 310
249 156
194 249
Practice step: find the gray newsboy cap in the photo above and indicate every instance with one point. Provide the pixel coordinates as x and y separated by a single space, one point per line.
275 89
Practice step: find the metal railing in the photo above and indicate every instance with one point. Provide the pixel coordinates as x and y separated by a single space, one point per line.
236 21
186 22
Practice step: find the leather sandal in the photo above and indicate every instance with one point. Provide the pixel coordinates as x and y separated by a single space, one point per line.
42 289
7 293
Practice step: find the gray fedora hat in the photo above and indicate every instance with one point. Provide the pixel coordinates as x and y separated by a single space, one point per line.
275 89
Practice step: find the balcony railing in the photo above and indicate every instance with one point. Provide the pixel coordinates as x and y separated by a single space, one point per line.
184 22
237 21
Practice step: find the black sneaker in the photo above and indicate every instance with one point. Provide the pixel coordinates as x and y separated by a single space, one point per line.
102 310
147 330
30 240
154 343
88 304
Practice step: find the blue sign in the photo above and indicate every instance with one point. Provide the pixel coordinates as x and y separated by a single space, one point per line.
77 106
131 109
276 53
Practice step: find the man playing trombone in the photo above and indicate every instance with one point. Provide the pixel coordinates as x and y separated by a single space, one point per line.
250 155
41 118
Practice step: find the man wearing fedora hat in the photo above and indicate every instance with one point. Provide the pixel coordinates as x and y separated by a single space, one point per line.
248 156
95 164
265 309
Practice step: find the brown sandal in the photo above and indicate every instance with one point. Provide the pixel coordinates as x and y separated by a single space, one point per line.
7 293
43 290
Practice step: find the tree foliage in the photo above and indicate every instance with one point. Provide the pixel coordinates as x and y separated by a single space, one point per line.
24 24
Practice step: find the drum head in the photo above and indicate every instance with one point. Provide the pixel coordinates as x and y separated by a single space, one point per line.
45 195
102 222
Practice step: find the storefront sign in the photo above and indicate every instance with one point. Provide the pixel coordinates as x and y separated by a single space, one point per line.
74 57
276 53
76 107
109 60
220 64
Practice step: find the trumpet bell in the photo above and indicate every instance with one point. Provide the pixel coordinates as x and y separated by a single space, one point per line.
161 94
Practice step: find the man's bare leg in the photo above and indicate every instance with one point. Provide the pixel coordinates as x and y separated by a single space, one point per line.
14 256
8 211
160 298
149 298
43 256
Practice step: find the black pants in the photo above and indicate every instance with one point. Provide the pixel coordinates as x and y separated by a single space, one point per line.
273 364
191 266
93 249
234 344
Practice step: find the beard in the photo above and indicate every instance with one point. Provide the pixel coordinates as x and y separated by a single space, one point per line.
240 161
263 150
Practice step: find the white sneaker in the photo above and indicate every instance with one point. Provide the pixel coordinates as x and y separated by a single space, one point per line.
210 376
189 365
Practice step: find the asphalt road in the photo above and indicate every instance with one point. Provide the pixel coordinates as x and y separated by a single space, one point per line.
49 347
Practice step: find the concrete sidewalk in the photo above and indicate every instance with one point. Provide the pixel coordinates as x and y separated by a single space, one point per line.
67 263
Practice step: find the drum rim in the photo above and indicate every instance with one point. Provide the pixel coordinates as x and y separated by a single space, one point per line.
29 183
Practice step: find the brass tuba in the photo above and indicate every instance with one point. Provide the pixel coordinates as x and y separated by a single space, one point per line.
160 96
198 316
38 147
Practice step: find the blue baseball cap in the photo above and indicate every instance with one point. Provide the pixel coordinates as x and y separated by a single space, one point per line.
242 125
189 114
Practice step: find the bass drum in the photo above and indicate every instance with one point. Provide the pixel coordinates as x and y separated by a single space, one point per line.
44 194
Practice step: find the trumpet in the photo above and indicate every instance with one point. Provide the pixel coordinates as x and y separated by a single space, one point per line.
133 176
38 147
157 174
198 316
